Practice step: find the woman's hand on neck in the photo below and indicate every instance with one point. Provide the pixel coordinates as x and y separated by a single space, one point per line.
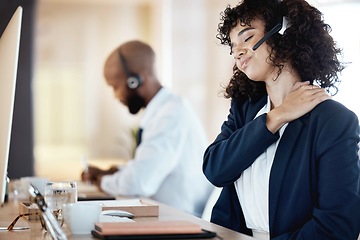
301 99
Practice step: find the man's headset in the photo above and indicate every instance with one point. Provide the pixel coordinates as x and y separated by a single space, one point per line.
280 27
133 80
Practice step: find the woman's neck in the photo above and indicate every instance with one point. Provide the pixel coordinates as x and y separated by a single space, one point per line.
278 89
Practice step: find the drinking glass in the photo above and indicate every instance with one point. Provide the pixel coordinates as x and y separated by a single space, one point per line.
59 193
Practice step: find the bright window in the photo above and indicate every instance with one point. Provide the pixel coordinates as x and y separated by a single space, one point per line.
344 19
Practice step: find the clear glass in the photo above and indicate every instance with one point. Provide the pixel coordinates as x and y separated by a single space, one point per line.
59 193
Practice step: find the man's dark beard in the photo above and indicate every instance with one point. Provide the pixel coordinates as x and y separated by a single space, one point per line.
135 103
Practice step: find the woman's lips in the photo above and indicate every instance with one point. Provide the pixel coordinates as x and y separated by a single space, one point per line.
244 62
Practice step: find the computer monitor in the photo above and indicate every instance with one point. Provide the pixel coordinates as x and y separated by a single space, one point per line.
9 53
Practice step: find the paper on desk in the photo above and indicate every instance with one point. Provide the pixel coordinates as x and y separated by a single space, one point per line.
84 187
18 226
106 218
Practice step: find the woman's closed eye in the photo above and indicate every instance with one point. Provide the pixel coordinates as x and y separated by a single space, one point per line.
248 38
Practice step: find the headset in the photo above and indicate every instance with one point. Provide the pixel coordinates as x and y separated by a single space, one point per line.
133 80
280 27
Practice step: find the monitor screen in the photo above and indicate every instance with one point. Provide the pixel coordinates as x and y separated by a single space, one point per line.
9 52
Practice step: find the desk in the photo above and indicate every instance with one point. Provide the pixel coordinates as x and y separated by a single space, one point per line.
11 209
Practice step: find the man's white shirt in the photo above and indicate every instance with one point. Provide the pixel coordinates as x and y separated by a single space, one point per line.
167 166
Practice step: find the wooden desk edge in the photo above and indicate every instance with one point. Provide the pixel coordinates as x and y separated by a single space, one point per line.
11 209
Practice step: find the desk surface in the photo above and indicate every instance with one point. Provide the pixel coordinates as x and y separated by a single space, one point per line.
11 209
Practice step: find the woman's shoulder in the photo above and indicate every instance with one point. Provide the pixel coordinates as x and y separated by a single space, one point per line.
332 106
333 109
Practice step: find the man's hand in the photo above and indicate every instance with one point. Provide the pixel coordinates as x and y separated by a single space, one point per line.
94 174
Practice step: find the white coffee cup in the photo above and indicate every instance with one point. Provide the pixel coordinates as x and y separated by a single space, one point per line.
80 217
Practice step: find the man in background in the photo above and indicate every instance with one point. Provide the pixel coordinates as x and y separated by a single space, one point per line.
168 159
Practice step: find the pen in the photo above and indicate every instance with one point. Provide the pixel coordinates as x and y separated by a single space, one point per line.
85 166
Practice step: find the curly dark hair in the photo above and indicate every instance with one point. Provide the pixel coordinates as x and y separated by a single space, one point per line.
306 43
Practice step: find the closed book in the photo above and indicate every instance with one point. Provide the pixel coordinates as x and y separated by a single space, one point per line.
147 228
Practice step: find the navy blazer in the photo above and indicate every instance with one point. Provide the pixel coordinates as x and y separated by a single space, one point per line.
314 180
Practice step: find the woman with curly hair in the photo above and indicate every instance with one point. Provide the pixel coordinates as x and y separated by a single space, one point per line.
286 157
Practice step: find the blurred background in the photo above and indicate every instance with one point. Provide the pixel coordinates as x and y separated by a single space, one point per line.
74 113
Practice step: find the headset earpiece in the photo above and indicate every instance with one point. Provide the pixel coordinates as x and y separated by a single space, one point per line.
280 27
134 80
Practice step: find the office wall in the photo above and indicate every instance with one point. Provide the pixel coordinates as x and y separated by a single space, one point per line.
75 112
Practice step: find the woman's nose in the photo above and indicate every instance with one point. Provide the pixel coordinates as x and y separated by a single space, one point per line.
239 52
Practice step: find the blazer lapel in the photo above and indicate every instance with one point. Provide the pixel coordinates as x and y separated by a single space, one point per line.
281 159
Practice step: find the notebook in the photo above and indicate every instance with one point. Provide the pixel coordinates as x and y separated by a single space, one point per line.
9 51
150 230
203 235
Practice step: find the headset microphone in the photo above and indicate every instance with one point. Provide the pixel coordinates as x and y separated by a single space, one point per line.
133 80
280 27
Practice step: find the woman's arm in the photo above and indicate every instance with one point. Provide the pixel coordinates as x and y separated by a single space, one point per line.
236 147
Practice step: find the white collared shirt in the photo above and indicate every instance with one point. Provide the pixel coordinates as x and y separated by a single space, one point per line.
253 185
168 163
